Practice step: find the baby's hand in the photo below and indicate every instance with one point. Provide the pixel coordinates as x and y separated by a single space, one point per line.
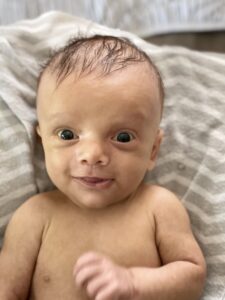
102 279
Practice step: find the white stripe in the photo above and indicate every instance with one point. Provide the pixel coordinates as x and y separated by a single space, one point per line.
5 113
209 220
162 54
5 133
216 259
17 193
6 177
193 145
216 280
207 70
5 219
17 151
191 87
202 108
188 162
18 86
212 239
192 186
218 198
215 292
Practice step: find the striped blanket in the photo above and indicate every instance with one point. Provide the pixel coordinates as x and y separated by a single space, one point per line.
191 162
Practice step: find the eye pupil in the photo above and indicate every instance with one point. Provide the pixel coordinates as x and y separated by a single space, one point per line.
123 137
66 134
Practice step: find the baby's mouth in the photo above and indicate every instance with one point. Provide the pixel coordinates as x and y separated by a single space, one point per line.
95 182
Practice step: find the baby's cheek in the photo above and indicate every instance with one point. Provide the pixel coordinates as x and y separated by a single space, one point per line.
55 165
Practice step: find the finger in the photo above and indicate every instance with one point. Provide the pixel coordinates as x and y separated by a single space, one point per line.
86 259
95 285
87 273
109 292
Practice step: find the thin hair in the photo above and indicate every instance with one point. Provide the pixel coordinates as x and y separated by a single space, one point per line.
101 55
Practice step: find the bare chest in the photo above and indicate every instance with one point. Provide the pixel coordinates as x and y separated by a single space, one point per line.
128 239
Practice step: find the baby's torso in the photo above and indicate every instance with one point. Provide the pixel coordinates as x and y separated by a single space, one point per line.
124 232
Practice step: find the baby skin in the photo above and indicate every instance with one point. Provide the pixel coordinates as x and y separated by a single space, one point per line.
102 234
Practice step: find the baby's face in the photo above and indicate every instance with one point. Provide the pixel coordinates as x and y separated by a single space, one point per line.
100 135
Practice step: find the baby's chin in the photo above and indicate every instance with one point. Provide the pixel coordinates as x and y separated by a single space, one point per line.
96 202
94 205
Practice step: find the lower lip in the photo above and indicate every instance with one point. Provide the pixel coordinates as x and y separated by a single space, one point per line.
103 184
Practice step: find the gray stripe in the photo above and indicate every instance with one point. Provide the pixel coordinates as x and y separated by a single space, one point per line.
215 291
205 229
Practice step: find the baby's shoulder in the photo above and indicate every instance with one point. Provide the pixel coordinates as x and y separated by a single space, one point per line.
157 193
39 206
162 201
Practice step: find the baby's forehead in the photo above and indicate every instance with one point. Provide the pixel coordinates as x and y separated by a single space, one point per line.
140 74
137 72
134 88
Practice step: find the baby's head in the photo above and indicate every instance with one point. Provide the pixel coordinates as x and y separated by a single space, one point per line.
99 56
99 106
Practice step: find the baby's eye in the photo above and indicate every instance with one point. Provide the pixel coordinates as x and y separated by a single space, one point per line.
66 134
124 137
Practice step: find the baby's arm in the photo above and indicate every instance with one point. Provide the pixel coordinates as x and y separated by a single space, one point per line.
181 276
183 270
19 253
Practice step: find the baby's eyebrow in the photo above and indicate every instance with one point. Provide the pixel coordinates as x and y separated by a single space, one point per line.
135 120
139 115
59 117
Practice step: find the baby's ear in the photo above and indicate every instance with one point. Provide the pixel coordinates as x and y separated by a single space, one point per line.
155 149
38 130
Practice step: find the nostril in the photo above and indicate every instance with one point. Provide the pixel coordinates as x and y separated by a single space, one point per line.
91 155
92 162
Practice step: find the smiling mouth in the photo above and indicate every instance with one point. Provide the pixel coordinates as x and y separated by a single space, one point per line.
94 182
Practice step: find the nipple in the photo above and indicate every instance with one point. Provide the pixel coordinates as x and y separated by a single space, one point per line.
46 278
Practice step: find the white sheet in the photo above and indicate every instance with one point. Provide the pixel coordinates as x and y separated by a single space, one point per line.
191 161
142 17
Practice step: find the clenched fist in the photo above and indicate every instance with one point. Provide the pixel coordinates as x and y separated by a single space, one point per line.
102 279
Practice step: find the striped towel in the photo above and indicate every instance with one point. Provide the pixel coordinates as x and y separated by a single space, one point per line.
191 162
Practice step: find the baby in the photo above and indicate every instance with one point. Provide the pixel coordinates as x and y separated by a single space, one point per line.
102 234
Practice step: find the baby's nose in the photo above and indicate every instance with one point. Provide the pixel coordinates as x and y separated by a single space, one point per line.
93 153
